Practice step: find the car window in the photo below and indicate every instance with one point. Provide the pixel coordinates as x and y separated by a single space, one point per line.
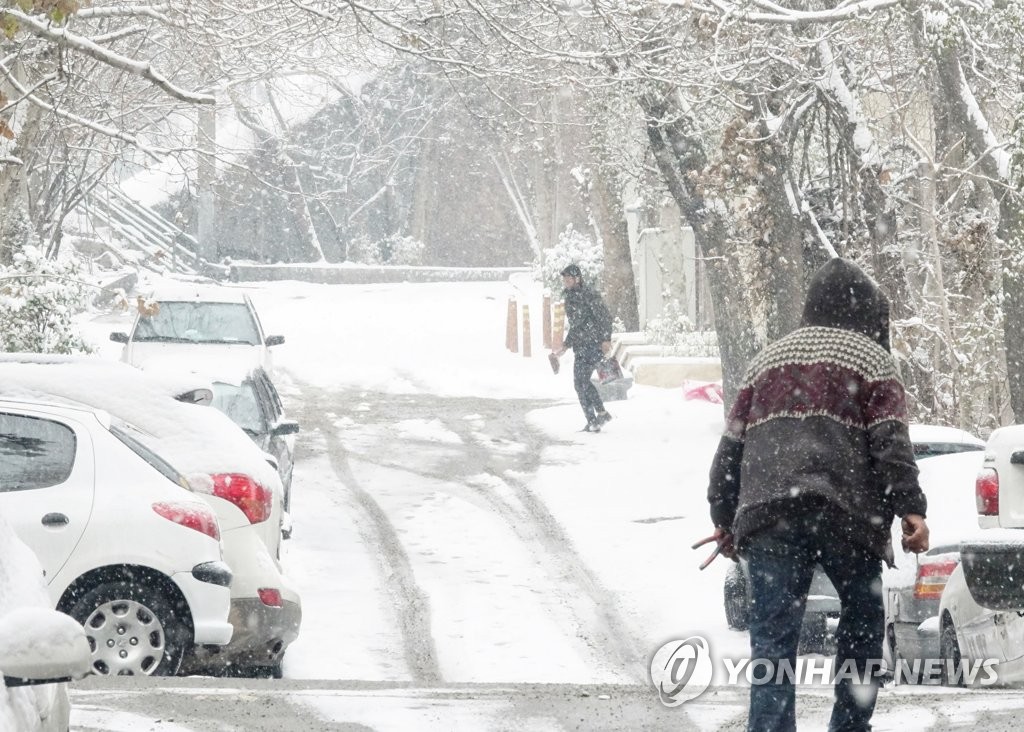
240 403
931 449
198 322
131 438
34 452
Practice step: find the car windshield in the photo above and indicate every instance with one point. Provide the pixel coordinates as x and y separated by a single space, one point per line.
133 439
198 322
239 403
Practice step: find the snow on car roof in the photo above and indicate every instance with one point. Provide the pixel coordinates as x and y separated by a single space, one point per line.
940 433
193 438
177 293
46 403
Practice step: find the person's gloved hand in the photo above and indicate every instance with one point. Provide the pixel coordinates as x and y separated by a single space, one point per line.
915 533
725 541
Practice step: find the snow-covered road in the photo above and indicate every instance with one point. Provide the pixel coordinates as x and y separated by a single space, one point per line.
452 528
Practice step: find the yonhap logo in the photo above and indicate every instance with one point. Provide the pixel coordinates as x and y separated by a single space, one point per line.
681 670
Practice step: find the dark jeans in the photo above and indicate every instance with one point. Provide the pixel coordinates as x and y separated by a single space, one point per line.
584 364
781 561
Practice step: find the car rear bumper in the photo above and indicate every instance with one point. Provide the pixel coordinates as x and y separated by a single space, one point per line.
261 636
210 605
823 604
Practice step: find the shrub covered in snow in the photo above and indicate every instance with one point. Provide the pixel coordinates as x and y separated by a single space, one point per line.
573 247
38 300
673 328
394 249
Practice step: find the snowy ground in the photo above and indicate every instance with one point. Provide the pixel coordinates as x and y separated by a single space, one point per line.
451 526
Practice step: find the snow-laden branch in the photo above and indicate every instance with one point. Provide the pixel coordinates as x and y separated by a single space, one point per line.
781 15
66 38
121 11
77 119
993 148
833 84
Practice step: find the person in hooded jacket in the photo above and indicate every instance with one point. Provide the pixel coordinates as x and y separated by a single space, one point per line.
589 337
815 462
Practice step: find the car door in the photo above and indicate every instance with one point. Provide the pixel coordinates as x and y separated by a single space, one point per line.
280 446
47 481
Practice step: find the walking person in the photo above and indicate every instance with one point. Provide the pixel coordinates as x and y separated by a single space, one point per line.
589 337
815 462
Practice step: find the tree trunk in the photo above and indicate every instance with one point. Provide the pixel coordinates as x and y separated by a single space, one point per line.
619 283
785 241
679 155
958 100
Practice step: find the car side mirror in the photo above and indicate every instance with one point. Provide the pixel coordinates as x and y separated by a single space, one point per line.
41 646
287 427
202 395
1017 458
274 340
118 337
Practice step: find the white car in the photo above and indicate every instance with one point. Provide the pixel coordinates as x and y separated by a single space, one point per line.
226 469
40 648
912 590
982 607
209 324
931 440
125 547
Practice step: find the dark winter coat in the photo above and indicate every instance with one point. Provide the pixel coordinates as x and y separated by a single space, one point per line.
821 422
590 323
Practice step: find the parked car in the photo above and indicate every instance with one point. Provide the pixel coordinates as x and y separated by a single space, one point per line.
207 323
127 550
915 586
902 619
931 440
225 469
40 649
981 613
250 399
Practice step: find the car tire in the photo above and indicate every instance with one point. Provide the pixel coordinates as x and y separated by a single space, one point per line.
737 600
949 651
132 629
814 633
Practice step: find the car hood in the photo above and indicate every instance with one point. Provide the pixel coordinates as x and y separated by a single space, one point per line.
213 360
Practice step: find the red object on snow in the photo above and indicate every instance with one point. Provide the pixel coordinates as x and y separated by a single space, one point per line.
708 391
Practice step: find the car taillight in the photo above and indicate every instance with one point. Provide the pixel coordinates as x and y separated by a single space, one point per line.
270 597
191 516
932 577
253 499
986 492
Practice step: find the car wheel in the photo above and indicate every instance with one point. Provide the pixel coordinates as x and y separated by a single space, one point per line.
949 653
737 603
814 633
132 630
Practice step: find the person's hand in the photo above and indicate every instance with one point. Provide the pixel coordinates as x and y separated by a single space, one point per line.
725 541
606 347
915 533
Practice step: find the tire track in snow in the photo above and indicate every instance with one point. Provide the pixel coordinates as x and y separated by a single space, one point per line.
409 600
603 629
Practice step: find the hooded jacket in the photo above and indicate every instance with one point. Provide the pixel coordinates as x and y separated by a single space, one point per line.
590 323
820 422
